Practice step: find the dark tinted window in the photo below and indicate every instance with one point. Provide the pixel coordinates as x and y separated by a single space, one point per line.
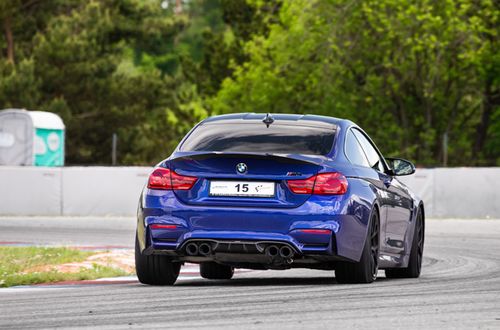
370 151
353 150
256 137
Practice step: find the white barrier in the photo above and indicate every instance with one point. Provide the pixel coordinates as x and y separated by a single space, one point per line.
101 191
30 190
71 191
463 192
467 192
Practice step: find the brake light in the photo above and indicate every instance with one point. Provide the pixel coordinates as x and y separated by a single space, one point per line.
333 183
165 179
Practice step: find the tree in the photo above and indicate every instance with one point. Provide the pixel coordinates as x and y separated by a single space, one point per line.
410 73
78 67
407 72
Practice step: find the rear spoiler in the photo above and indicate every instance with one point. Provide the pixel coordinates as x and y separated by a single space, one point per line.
308 159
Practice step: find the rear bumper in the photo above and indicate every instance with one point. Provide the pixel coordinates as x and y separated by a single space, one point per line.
341 218
314 245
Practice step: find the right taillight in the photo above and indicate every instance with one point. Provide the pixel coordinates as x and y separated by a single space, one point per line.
332 183
165 179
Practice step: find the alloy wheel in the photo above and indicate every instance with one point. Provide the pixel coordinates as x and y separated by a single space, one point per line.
374 240
420 239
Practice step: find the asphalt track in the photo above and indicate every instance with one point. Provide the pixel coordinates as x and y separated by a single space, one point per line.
459 288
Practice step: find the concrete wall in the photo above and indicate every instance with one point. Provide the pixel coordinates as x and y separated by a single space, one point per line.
101 191
71 191
30 191
463 192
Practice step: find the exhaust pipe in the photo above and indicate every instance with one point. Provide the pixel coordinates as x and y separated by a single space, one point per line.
286 252
272 251
192 249
205 249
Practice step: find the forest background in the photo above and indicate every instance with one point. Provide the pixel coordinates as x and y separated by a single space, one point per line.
421 77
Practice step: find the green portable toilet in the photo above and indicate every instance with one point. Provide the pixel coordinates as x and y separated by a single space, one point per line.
31 138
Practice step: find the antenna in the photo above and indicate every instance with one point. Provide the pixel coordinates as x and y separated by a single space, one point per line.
268 120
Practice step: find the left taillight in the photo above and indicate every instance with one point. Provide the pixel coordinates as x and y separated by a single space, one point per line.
165 179
332 183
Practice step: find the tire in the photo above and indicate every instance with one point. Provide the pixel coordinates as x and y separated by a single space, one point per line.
417 250
215 271
155 269
364 271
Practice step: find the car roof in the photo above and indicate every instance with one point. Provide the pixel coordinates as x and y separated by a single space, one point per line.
292 119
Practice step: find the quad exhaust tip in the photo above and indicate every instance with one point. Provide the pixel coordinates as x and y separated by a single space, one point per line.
205 249
192 249
272 251
286 252
276 252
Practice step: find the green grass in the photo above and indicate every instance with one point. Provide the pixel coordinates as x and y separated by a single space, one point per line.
17 265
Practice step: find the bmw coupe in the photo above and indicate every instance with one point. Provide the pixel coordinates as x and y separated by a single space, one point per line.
262 191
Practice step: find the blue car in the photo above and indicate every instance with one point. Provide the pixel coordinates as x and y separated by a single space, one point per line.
262 191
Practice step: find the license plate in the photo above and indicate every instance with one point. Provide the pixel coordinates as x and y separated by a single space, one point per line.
242 188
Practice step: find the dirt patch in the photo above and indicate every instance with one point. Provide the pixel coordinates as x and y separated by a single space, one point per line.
121 259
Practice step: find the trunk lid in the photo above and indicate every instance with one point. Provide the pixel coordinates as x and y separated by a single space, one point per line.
210 167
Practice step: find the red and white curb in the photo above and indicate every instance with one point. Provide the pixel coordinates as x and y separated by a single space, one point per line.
188 272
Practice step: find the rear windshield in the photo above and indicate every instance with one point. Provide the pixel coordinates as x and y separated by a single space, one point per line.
256 137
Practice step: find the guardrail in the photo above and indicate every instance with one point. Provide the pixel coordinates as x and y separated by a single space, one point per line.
113 191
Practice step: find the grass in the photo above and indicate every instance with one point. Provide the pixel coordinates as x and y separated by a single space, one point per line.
18 266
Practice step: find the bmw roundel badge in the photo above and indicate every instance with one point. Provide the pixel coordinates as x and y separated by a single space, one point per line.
241 168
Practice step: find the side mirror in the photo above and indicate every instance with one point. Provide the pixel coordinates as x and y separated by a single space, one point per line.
400 166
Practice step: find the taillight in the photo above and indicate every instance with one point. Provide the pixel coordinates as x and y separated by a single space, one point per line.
302 186
321 184
330 184
160 179
181 182
165 179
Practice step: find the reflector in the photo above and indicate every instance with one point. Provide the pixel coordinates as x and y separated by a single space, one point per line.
158 226
316 231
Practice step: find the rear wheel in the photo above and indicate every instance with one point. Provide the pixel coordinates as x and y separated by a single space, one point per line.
417 250
155 269
215 271
364 271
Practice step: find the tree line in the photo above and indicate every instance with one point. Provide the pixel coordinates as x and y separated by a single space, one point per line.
421 77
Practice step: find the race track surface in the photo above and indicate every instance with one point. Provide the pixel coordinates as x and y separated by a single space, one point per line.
459 288
71 231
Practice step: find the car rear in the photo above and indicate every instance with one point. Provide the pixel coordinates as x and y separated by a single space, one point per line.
249 193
